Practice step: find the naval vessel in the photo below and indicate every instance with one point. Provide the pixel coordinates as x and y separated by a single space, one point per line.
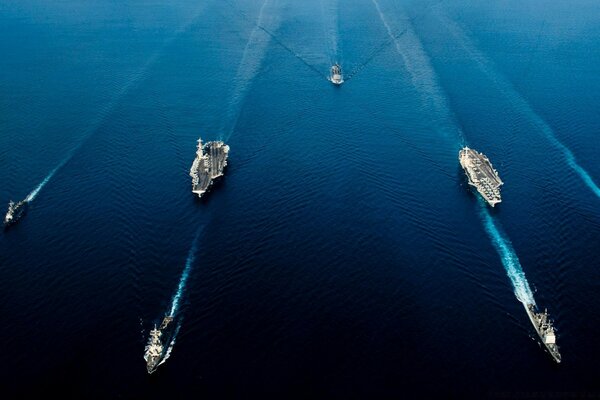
481 174
544 329
336 75
210 161
15 212
159 343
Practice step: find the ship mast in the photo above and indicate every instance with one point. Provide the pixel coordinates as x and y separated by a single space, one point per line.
199 151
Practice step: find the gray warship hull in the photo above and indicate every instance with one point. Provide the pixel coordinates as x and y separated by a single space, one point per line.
209 165
15 212
545 330
336 76
159 344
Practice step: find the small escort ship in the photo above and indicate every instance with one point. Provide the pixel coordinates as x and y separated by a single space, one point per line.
15 212
209 164
544 329
158 347
481 175
336 75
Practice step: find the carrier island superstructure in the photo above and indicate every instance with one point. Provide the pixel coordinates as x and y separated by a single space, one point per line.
209 164
481 174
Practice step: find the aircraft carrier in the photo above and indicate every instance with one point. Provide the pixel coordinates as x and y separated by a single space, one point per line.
481 174
545 330
209 164
15 212
157 349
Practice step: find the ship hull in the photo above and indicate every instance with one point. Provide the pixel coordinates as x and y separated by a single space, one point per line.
167 335
481 175
208 166
336 80
17 213
554 353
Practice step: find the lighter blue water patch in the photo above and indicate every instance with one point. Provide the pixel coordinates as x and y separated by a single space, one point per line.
508 89
509 258
252 57
110 106
423 76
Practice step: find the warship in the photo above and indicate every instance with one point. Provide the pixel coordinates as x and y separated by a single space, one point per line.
336 74
158 347
210 161
545 330
15 212
481 174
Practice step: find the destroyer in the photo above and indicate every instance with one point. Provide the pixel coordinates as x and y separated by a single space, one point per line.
545 330
15 212
336 75
481 174
158 346
211 160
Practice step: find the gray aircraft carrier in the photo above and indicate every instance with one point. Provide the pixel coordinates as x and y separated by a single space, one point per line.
209 164
481 174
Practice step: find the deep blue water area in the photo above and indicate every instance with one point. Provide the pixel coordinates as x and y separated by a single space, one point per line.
343 255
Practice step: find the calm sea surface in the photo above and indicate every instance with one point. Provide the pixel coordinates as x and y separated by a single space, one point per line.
343 255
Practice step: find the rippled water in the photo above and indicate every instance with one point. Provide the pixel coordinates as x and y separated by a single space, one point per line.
343 255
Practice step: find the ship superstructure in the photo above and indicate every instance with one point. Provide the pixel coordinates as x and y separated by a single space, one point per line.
481 175
157 348
336 76
209 164
544 329
15 212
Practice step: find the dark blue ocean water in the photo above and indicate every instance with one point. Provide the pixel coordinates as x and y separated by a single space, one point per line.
343 255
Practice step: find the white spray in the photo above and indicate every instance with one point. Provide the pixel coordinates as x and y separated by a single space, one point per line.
509 258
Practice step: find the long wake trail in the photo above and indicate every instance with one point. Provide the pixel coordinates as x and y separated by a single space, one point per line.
250 63
425 81
423 76
109 107
176 300
488 67
331 26
508 256
189 263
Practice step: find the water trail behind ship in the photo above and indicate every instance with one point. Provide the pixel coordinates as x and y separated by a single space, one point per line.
171 344
329 9
107 109
507 88
189 262
250 63
422 74
508 256
31 196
